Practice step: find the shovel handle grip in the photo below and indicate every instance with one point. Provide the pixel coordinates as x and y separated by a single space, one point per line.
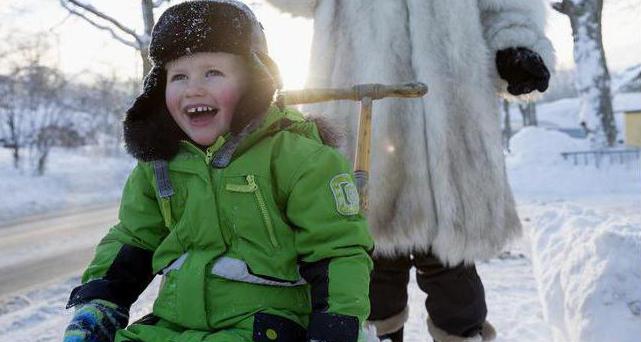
374 91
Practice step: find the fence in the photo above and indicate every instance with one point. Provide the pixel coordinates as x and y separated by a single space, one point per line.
598 157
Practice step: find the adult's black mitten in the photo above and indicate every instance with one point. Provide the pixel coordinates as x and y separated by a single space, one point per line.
523 69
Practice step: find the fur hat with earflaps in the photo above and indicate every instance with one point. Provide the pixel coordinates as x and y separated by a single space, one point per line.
190 27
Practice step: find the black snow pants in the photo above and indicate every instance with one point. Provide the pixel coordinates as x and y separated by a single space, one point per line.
455 295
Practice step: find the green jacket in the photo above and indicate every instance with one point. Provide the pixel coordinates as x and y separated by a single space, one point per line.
284 206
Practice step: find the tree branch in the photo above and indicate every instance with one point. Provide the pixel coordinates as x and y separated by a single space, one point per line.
105 28
148 15
104 17
157 3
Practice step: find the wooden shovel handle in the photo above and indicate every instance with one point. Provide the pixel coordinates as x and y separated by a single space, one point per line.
373 91
366 94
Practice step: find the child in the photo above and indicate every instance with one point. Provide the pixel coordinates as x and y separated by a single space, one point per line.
253 222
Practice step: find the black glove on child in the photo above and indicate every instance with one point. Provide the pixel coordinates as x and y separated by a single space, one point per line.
523 69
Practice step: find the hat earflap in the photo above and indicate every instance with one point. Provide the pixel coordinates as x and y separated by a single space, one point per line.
149 131
259 94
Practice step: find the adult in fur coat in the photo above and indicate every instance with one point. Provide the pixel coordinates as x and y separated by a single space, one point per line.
439 196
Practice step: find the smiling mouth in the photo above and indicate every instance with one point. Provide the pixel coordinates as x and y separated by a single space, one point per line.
201 112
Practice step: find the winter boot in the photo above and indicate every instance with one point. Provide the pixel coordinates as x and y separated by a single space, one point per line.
488 333
391 328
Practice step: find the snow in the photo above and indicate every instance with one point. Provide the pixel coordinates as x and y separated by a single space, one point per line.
586 263
584 228
564 113
538 171
574 276
626 76
74 178
590 64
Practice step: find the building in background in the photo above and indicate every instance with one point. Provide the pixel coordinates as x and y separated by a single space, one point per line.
632 127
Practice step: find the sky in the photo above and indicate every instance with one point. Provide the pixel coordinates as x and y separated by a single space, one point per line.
79 48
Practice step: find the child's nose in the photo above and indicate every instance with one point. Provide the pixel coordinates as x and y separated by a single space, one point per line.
195 87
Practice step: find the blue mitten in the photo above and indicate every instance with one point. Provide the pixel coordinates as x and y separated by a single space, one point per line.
96 321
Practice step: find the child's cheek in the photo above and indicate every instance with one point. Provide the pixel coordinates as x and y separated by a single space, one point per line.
229 97
171 99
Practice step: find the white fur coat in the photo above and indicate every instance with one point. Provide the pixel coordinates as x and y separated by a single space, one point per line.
438 176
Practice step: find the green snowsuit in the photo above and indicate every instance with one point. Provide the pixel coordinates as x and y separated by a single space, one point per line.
234 242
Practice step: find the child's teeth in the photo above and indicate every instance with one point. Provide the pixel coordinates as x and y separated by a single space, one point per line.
200 109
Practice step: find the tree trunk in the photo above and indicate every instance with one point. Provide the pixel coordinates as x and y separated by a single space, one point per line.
15 143
593 77
507 126
16 156
42 162
528 112
146 64
148 20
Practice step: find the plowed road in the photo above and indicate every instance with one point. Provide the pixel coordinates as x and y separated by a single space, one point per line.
44 249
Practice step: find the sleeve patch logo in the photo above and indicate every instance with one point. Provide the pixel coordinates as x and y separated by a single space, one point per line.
345 194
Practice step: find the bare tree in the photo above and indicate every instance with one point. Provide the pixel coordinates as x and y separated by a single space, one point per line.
528 112
48 121
31 109
16 99
507 125
109 97
628 78
9 119
119 30
593 77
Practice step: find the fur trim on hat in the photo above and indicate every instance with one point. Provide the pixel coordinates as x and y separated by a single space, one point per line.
190 27
150 133
205 26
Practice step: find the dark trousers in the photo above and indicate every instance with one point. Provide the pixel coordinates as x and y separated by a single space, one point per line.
455 295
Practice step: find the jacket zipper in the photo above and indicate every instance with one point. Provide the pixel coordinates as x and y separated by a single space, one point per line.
210 153
251 186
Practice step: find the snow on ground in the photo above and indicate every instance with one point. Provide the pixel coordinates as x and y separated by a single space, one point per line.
537 169
586 263
584 228
74 178
572 277
40 314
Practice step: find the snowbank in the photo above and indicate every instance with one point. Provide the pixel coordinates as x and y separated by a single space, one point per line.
586 262
562 113
538 171
74 178
587 268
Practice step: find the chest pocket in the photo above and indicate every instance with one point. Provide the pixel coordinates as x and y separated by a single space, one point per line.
249 206
263 240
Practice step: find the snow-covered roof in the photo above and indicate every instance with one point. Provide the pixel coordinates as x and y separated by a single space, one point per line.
626 102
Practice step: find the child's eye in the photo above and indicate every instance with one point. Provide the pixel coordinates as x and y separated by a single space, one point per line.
213 73
178 77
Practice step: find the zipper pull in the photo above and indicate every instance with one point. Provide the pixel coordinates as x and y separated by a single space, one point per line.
250 181
210 153
249 187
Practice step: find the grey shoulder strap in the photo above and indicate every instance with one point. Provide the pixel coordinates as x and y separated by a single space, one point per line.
161 171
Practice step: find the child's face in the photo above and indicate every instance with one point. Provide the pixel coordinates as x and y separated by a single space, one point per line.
202 92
